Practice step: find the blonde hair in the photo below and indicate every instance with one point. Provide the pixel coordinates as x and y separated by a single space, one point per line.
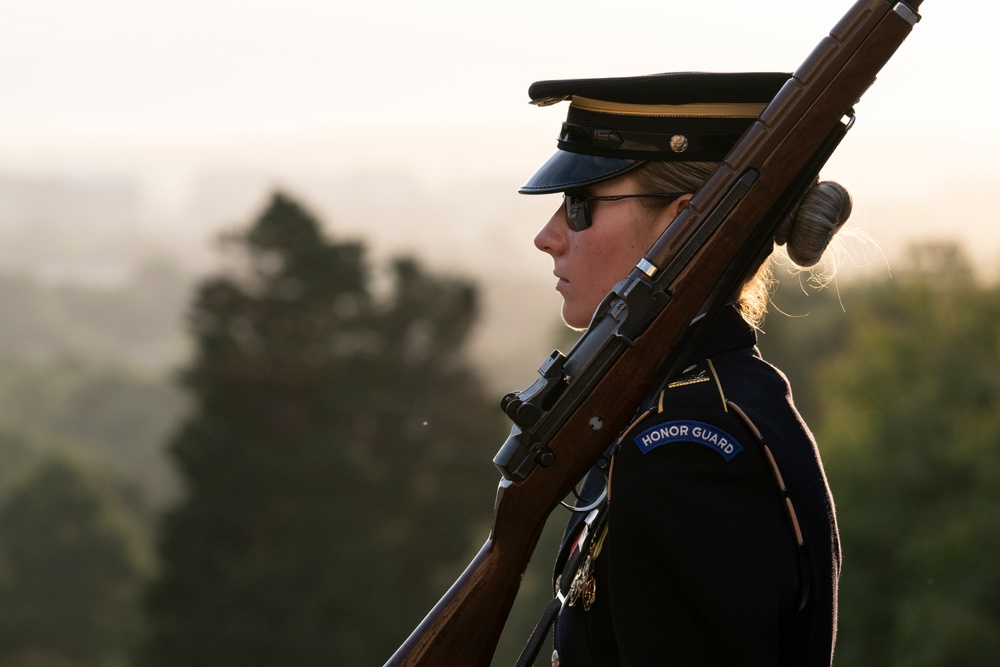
805 233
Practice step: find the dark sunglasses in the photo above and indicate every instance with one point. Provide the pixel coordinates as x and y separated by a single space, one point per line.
578 206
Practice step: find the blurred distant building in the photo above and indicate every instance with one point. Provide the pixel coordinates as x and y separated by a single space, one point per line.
98 203
76 228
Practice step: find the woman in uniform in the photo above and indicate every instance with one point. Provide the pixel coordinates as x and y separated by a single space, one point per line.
718 544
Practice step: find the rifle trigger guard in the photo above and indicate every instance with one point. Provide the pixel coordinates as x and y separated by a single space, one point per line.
589 507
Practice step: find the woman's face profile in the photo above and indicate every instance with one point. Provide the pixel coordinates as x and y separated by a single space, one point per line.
588 263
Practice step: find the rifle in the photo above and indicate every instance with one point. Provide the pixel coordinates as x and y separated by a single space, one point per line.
567 418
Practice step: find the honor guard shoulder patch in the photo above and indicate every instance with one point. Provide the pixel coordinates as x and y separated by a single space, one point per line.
686 430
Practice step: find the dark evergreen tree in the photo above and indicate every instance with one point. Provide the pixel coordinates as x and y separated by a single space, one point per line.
70 572
337 454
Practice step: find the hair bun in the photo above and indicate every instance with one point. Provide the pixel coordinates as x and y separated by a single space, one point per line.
808 230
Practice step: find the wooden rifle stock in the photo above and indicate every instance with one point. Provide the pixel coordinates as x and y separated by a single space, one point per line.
704 254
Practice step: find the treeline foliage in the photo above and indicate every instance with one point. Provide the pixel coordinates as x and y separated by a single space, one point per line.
81 468
336 458
913 426
71 568
904 392
118 417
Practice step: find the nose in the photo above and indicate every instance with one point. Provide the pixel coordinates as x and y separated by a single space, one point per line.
551 238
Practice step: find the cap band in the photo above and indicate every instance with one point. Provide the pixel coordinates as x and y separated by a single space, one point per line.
731 110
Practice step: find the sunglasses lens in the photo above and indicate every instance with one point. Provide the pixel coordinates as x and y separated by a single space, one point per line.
577 212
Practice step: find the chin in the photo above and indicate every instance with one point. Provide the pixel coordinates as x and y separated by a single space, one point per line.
574 322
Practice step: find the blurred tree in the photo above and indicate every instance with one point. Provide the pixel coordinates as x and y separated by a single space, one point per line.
910 434
70 572
337 455
804 328
19 454
117 417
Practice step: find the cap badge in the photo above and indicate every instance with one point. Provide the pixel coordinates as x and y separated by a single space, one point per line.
678 143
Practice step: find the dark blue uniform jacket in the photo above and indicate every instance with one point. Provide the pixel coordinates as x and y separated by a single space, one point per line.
701 563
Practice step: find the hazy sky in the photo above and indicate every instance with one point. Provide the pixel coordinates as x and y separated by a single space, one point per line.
137 69
169 88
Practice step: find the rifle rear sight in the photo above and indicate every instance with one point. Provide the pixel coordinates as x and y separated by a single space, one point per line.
522 450
526 407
